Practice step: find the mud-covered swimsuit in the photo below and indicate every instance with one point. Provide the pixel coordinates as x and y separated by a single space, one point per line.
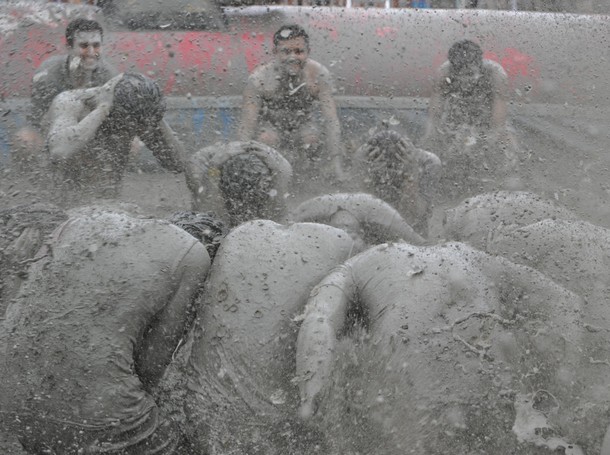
289 107
470 106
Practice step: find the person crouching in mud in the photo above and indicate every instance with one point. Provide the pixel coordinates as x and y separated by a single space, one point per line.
468 125
404 176
438 350
94 328
279 103
91 134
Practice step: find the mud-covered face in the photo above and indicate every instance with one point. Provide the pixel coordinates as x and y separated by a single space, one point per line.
291 55
87 49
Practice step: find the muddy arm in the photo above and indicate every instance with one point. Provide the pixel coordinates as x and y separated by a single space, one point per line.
331 124
249 112
325 316
435 105
67 135
162 338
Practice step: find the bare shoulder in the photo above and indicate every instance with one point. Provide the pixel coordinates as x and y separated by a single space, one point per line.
495 69
47 67
443 70
71 99
263 75
316 70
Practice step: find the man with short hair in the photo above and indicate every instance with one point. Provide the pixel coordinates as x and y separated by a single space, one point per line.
106 302
467 122
83 67
245 180
92 130
279 101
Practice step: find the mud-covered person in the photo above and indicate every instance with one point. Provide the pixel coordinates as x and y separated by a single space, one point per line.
404 176
94 328
91 132
241 180
82 67
368 219
440 350
240 397
280 101
468 126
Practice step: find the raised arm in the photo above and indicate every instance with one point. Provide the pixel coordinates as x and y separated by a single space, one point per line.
250 108
500 102
435 104
165 146
70 131
164 334
67 135
325 316
331 122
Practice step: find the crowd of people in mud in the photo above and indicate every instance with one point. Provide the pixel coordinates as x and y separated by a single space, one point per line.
247 324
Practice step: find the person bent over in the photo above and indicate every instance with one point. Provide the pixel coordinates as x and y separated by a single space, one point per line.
240 397
92 331
406 177
244 180
367 219
438 350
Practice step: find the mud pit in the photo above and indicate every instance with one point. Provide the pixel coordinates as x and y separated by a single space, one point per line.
564 160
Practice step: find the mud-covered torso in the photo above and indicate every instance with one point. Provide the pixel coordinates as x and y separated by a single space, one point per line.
258 286
468 105
434 340
96 171
287 103
81 314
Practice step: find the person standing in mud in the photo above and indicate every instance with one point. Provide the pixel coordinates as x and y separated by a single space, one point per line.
106 302
91 134
467 122
83 67
279 101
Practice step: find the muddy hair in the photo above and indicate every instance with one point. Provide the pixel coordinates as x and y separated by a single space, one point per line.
245 181
138 99
81 25
288 32
464 53
386 163
205 227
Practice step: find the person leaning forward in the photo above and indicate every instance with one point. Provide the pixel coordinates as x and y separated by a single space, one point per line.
279 101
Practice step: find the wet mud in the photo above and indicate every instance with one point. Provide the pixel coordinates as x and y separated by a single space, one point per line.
575 177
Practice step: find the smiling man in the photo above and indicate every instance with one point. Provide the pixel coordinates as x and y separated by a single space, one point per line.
82 67
280 99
